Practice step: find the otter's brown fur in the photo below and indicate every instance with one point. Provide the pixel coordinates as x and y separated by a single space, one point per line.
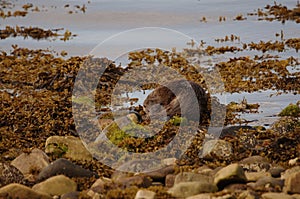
179 98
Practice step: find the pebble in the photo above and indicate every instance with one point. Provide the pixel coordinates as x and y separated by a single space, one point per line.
56 185
19 191
31 164
233 173
186 189
145 194
64 167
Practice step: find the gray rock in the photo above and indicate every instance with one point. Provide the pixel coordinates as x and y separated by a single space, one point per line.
276 196
64 167
219 149
67 146
192 177
56 185
31 164
292 183
10 174
255 164
233 173
145 194
19 191
186 189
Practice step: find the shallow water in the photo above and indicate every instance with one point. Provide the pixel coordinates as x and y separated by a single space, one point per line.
105 18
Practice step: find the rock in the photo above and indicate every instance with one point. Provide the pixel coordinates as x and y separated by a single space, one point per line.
205 170
169 161
186 189
233 173
10 174
64 167
192 177
248 195
294 162
31 164
296 196
254 176
56 185
219 149
292 183
267 181
276 196
145 194
255 164
290 171
276 171
141 181
19 191
67 146
70 195
170 179
201 196
235 187
160 174
100 185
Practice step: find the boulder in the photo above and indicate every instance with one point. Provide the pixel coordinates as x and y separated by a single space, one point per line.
67 146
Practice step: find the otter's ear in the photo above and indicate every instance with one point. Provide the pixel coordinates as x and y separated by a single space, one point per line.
139 117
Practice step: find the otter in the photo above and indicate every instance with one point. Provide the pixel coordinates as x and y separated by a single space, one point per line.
178 98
